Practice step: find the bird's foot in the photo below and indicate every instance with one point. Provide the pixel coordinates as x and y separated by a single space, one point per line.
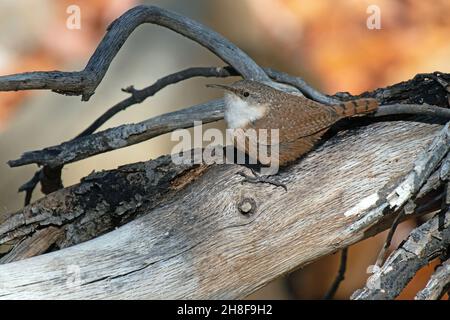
257 178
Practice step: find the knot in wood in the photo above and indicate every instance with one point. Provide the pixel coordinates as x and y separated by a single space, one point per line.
247 206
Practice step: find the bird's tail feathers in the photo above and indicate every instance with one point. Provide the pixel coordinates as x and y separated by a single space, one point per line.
356 107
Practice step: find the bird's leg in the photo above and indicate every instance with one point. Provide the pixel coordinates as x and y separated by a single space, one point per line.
257 178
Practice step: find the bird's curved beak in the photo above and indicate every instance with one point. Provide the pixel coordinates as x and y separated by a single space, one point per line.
222 86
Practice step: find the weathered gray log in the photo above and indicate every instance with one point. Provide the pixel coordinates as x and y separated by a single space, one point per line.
424 244
203 242
102 202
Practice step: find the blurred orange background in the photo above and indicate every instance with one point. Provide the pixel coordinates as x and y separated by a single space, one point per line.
326 42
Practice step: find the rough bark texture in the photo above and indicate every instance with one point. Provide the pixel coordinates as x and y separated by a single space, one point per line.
422 246
438 285
100 203
198 244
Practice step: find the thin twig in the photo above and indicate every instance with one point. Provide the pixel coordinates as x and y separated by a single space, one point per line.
382 254
29 187
340 276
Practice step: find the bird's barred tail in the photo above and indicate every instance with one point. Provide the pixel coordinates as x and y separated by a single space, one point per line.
356 107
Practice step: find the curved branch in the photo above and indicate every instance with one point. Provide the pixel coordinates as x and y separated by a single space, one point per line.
340 276
138 96
85 82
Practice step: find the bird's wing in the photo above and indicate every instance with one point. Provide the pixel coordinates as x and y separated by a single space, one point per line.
291 150
299 121
305 121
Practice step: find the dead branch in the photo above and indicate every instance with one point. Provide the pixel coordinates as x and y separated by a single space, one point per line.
424 109
424 244
300 84
102 202
122 136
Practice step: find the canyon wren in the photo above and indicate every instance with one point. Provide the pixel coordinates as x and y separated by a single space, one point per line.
301 122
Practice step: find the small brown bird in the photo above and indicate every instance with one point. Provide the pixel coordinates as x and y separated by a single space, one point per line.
301 122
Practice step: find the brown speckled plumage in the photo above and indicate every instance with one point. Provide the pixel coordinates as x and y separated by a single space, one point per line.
301 121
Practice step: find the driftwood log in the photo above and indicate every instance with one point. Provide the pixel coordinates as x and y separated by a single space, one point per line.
160 230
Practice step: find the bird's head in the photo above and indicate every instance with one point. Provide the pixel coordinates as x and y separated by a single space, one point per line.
252 92
245 101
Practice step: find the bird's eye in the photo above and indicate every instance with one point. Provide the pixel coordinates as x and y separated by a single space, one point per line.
246 94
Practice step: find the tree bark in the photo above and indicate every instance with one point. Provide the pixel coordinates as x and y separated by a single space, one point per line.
199 240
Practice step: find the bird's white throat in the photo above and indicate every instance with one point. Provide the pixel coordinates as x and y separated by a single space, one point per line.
239 113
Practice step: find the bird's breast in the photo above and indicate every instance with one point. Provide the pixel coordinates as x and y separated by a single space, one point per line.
240 113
